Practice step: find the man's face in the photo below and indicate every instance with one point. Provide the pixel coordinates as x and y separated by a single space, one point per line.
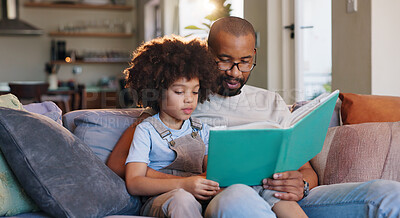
229 48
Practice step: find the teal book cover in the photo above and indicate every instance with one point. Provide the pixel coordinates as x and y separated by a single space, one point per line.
249 153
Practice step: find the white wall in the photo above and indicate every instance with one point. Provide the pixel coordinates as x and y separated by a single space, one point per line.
365 47
385 47
256 13
276 48
170 15
351 48
24 57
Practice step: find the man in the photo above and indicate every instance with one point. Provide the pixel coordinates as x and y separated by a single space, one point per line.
232 41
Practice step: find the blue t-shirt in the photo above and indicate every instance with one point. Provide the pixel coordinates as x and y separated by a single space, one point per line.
148 147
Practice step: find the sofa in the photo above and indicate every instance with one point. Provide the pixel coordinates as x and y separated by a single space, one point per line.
65 160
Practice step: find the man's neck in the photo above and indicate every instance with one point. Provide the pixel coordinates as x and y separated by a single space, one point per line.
227 93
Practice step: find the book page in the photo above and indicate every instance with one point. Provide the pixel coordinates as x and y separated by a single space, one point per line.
300 113
254 125
288 121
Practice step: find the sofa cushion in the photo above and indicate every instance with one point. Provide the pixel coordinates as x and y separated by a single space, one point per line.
359 152
60 172
46 108
10 101
13 199
369 108
101 129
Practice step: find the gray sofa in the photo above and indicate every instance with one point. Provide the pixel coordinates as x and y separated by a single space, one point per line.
97 129
100 129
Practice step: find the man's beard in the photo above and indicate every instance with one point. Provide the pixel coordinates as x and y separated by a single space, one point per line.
225 91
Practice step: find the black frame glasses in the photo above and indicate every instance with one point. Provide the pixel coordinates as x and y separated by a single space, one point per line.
238 65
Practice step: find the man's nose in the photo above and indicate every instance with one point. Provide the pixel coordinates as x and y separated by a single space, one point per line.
234 72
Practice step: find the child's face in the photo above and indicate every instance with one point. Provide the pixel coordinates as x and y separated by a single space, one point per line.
180 99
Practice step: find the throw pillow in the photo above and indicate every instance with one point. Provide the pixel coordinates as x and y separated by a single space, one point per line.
10 101
369 108
101 129
13 199
46 108
59 172
358 153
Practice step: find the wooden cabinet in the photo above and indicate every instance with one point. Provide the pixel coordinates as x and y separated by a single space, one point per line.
102 99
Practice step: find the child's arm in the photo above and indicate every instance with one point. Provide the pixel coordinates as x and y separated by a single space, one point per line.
138 184
159 175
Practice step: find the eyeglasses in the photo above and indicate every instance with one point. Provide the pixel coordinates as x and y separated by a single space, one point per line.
242 66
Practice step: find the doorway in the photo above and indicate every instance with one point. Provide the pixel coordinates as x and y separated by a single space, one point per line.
312 48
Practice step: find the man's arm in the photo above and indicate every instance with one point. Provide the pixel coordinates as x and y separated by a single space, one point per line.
292 183
117 158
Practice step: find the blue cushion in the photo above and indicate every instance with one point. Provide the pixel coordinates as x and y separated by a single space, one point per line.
46 108
101 129
58 171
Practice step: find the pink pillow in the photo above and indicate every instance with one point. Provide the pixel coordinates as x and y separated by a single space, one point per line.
359 152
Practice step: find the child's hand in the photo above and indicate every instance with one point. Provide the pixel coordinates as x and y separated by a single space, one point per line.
200 187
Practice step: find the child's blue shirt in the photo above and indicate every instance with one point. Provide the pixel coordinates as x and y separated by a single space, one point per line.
148 147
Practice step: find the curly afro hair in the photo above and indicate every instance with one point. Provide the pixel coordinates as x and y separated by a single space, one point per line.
158 63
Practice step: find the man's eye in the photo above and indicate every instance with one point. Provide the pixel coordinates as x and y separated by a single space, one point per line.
196 93
225 61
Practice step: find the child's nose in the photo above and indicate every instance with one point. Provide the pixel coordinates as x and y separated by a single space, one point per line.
189 98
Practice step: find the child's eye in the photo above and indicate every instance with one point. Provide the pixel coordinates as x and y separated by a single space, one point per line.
178 93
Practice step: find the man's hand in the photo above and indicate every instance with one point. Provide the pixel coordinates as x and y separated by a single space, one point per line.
290 182
200 187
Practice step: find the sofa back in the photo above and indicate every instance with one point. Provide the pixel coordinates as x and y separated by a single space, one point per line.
100 129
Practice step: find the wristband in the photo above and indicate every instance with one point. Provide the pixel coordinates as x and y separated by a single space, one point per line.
306 190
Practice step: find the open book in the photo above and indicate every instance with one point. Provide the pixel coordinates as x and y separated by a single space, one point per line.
249 153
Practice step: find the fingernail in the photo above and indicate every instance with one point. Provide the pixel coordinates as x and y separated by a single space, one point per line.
277 195
266 186
264 181
276 176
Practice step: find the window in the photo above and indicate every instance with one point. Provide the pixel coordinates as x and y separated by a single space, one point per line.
193 12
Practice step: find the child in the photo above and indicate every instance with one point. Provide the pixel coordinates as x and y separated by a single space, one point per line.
171 76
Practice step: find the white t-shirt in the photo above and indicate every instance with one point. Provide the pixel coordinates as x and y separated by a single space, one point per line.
251 105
